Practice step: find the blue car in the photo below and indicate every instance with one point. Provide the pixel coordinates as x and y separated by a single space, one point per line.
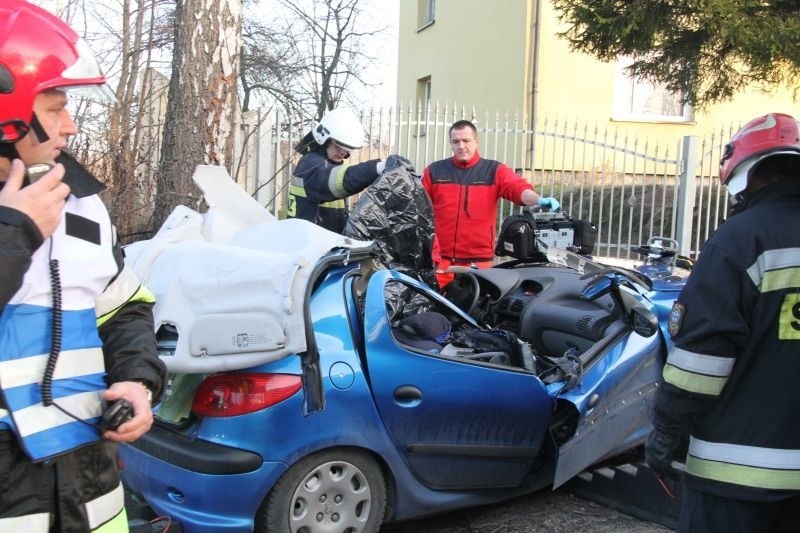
313 391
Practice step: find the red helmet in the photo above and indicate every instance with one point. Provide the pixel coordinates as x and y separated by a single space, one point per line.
763 137
38 51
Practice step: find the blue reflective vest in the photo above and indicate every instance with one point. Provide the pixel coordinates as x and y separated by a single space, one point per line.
82 244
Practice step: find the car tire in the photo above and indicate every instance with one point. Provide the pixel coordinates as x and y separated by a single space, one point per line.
338 490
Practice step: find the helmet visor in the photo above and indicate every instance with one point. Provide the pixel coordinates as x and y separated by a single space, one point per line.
84 78
97 92
343 146
741 174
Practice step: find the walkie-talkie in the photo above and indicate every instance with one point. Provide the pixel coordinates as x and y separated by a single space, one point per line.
34 172
117 414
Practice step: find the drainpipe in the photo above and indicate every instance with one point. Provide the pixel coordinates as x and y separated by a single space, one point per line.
535 62
534 80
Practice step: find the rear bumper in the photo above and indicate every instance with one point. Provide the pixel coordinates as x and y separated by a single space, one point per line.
196 455
200 485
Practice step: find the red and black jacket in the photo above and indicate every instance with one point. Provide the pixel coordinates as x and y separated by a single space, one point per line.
465 197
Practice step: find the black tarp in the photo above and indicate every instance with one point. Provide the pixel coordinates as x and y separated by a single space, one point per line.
396 213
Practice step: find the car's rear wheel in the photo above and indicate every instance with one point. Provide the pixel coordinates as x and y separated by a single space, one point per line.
334 490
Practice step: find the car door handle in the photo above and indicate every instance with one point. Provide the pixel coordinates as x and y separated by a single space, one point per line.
408 394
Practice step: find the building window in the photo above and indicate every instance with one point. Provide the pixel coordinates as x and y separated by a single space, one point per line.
424 102
426 10
645 101
424 91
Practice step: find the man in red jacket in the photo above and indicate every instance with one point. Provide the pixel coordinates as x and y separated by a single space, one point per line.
464 191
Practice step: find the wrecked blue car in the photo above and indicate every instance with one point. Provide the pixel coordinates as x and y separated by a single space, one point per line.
313 389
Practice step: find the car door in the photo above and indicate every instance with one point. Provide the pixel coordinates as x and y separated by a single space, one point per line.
458 423
615 396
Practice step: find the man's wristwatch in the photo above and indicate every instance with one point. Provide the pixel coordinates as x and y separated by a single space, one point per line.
146 385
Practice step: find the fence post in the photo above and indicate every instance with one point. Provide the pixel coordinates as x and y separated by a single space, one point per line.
687 191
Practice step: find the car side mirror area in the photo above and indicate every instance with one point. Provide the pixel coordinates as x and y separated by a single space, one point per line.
643 321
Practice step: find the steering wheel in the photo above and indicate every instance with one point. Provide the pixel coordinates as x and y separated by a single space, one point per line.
464 291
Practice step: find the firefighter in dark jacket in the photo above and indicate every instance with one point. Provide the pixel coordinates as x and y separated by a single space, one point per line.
76 325
322 181
730 383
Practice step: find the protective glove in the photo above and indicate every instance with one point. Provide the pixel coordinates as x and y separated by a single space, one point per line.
659 451
550 203
395 160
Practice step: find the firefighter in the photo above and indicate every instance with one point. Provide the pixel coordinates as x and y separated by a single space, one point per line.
76 325
730 382
322 181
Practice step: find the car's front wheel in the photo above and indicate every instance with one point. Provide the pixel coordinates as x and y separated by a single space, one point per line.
335 490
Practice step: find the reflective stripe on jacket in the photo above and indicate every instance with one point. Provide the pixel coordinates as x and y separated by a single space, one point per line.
106 514
319 186
82 245
731 380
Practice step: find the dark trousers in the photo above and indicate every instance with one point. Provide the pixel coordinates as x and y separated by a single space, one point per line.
708 513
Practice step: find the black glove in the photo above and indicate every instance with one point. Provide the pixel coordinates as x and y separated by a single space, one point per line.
659 451
394 161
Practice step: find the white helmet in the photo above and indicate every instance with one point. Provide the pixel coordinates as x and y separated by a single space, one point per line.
342 127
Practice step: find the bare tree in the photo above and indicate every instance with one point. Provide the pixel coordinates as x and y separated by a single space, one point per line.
270 64
308 58
202 100
314 54
127 38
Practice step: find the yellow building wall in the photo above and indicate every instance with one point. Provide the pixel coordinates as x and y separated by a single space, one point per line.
578 87
477 53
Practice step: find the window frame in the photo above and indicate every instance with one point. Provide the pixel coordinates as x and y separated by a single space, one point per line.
627 90
426 14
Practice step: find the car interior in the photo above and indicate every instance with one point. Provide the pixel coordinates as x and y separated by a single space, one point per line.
532 318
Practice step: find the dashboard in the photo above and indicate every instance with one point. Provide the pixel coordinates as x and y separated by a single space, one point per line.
543 305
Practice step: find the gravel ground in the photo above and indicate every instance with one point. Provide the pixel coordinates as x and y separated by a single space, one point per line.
543 511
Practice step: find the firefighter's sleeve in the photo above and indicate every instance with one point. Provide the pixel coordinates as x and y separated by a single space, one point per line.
19 239
709 326
125 323
356 178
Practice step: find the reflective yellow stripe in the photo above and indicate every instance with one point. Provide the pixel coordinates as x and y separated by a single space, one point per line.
752 466
336 181
783 263
125 288
697 372
32 523
297 190
691 382
106 513
301 192
776 280
700 363
748 476
118 525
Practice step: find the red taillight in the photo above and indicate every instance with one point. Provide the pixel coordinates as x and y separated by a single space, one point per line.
238 394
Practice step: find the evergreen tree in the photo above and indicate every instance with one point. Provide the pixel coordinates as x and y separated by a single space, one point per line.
707 50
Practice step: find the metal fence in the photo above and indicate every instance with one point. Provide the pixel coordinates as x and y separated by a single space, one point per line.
631 188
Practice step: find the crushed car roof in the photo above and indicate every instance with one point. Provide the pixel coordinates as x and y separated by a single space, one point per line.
232 280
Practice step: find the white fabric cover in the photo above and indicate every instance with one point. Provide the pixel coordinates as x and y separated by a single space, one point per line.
231 280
